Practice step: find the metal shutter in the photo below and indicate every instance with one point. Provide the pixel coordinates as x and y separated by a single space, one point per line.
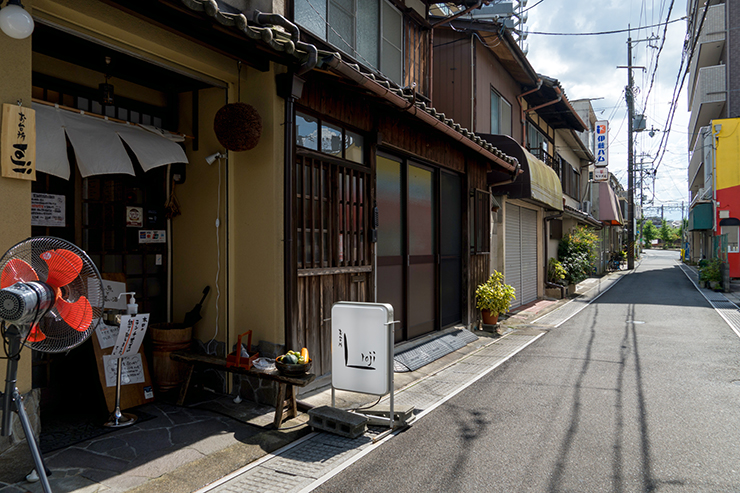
528 225
512 252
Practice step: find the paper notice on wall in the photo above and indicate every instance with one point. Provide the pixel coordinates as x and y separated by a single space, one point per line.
107 335
132 370
48 210
111 292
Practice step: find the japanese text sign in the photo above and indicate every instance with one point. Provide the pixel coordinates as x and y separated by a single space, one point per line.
601 143
18 142
130 335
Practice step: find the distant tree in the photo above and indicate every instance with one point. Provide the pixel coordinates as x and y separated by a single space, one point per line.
668 234
649 233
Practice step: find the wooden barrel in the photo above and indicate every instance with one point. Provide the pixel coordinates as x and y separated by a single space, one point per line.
166 338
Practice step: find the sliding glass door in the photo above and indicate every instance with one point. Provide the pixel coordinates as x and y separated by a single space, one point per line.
419 245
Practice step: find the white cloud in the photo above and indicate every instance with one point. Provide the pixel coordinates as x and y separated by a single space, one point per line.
586 66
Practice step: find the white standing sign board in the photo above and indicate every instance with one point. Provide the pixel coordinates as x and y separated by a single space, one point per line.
362 347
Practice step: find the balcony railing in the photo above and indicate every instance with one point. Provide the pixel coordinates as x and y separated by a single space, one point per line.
709 100
546 158
709 47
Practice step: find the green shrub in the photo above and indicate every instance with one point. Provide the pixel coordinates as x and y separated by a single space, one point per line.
712 271
576 253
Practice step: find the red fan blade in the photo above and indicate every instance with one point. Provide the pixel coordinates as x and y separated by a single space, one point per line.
36 335
78 315
17 270
64 267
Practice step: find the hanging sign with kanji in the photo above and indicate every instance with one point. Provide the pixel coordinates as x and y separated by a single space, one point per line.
18 142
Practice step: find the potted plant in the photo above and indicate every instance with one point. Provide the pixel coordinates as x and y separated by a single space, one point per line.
494 297
712 273
555 279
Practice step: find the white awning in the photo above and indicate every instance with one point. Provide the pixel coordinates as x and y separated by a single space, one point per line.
98 144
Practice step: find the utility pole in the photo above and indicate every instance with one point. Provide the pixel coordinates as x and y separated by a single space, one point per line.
629 96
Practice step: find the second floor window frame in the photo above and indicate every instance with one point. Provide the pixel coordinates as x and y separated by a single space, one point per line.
500 114
336 22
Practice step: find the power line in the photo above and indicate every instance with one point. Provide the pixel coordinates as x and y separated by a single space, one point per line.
617 31
677 89
657 57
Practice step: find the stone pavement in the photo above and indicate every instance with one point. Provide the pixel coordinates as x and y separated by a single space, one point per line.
183 449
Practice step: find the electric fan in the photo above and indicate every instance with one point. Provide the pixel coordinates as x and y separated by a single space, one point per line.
51 299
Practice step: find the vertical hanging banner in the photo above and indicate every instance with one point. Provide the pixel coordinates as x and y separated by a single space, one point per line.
601 144
18 142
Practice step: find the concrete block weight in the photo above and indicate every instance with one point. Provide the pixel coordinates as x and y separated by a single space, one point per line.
337 421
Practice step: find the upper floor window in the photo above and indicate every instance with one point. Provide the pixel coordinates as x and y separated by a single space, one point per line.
536 140
371 31
500 114
313 133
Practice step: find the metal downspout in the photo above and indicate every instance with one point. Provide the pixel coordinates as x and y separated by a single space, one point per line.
288 260
557 100
522 118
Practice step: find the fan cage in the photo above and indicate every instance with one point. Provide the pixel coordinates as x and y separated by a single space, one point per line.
60 337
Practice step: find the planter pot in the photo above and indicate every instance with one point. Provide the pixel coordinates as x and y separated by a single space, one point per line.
489 318
571 289
702 284
556 293
715 285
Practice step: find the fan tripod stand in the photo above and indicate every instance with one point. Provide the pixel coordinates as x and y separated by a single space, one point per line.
13 396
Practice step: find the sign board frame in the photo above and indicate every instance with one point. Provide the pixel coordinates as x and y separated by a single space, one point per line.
362 347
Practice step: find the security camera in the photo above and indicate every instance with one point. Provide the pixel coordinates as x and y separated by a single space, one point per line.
216 155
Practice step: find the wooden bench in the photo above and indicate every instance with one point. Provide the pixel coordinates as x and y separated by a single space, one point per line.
285 404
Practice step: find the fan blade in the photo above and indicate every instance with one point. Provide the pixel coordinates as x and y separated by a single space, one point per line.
64 267
35 335
78 315
17 270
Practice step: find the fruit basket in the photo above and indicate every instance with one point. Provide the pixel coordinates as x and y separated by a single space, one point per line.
293 370
293 363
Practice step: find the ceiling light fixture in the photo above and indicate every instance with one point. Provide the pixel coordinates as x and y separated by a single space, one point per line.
15 21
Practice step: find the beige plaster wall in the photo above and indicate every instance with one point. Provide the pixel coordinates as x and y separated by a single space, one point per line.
256 272
15 195
250 275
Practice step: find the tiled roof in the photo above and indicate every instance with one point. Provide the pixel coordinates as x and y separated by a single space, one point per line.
284 36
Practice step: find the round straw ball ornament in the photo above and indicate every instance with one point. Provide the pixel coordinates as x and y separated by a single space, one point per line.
238 126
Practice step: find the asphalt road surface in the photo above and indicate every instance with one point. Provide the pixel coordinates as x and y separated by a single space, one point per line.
638 392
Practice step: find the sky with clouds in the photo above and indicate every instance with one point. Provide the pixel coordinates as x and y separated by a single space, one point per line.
586 67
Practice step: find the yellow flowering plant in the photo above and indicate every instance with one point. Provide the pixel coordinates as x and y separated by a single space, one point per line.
494 295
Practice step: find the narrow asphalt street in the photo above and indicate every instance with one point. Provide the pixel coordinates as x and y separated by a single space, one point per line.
637 392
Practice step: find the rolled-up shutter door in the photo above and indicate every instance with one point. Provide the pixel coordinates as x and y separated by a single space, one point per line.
512 252
528 225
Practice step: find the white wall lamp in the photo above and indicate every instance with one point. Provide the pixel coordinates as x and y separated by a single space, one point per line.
217 155
15 21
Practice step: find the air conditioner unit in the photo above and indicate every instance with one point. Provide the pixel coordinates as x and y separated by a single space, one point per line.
586 206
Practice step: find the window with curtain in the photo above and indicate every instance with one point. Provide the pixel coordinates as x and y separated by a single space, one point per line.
370 31
500 114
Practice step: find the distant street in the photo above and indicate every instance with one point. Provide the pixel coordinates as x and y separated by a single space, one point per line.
638 392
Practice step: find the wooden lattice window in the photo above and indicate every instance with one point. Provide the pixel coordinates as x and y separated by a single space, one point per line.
331 213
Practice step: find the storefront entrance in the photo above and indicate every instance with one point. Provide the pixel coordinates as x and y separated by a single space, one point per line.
419 245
